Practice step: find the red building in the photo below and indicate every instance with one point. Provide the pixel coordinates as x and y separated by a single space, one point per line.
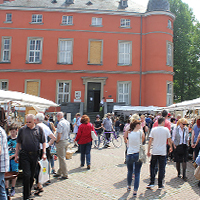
81 51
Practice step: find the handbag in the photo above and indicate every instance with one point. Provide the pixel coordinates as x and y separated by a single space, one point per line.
93 134
142 155
197 173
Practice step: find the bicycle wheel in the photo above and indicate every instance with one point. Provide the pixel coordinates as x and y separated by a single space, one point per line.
102 142
117 142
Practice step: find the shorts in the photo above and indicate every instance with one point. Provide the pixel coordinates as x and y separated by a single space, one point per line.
13 166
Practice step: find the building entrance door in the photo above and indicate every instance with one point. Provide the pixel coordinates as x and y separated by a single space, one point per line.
93 96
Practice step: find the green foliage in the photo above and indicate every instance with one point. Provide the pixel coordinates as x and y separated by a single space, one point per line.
186 52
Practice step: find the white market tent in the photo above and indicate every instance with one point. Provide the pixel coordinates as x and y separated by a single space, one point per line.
189 105
25 100
127 110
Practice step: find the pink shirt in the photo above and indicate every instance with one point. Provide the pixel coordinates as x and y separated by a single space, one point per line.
167 124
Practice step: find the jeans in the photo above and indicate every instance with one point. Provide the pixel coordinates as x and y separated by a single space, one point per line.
132 159
161 160
85 152
99 131
117 129
3 195
28 163
196 151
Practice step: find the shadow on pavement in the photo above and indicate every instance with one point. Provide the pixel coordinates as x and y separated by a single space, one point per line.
78 170
151 194
175 182
121 184
125 195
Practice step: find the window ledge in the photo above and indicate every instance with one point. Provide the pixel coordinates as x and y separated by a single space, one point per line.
7 22
125 27
66 24
96 25
124 65
95 64
33 62
5 62
59 63
38 23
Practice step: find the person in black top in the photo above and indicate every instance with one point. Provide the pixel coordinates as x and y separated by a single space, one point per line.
117 126
29 138
98 129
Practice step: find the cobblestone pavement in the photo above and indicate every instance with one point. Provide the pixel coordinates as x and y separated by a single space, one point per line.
107 180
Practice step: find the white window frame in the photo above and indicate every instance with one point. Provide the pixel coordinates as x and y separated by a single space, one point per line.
169 53
169 96
68 93
35 51
8 19
67 20
65 51
124 3
91 40
38 18
125 23
169 24
3 50
96 21
2 81
124 54
128 93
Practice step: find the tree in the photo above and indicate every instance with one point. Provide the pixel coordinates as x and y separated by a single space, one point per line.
186 52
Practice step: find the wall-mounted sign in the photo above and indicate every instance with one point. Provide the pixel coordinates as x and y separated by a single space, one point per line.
77 100
109 100
77 94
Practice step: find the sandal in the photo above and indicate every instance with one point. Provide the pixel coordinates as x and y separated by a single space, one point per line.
39 190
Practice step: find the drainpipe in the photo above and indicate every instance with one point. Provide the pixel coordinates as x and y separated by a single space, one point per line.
141 62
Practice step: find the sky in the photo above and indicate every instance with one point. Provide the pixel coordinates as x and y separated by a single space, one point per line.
194 4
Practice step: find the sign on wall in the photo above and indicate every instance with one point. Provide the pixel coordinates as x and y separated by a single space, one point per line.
77 96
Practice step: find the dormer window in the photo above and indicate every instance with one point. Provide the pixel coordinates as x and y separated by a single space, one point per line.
69 1
124 3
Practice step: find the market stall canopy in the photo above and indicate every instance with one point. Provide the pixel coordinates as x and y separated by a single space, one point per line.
26 100
136 108
190 104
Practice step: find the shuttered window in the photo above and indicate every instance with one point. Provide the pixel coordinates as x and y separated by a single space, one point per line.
32 87
125 49
95 52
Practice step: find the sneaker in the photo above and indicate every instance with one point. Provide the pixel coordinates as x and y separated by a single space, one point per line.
12 193
64 177
161 187
88 167
56 175
150 186
128 188
53 171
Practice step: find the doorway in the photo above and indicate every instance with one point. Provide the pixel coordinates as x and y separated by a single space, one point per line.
93 96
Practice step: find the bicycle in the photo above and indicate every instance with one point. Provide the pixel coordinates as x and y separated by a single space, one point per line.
116 140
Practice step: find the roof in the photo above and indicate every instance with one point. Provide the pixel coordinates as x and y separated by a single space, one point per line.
158 5
106 5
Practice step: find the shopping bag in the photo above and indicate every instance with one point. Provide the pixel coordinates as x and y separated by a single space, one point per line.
44 171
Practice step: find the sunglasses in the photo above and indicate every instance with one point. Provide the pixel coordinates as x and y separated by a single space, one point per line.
28 122
185 124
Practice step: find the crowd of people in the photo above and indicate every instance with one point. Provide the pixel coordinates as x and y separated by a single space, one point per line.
169 138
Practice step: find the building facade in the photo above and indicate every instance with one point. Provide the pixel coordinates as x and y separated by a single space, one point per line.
81 51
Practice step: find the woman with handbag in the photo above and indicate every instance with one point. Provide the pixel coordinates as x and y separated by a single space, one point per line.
180 138
85 139
135 139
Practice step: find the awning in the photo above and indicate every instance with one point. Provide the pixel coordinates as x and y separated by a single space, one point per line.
26 100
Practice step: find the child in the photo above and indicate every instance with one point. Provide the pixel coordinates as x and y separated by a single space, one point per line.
12 142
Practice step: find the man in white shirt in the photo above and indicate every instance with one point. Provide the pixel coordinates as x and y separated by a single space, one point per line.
159 136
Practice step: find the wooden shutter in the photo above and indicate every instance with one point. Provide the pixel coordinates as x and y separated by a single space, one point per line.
95 52
32 87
